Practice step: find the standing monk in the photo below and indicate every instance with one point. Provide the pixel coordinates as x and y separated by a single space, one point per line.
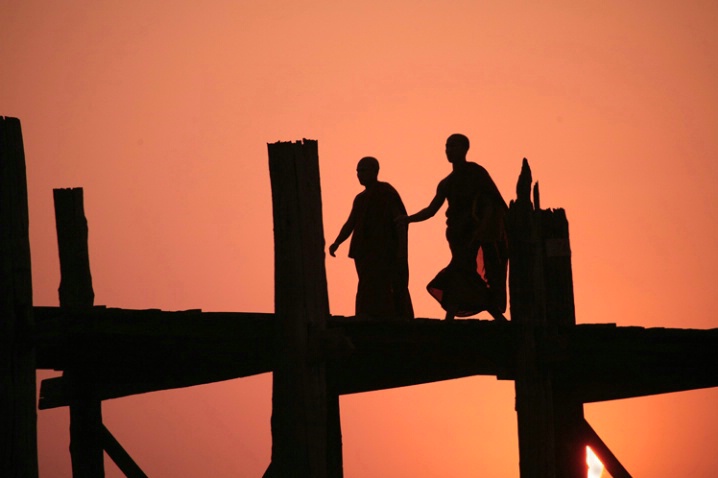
475 279
378 247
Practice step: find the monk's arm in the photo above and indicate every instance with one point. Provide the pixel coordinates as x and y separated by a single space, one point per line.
343 235
430 210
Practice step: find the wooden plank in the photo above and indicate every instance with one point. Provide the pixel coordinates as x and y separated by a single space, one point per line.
233 345
18 416
609 363
390 355
598 361
300 397
103 337
76 293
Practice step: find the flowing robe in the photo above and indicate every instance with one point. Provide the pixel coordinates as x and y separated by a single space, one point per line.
379 249
475 279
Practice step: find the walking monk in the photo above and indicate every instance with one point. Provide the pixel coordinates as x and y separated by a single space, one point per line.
475 279
378 247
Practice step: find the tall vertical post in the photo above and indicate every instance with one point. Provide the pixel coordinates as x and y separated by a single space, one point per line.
301 411
560 315
534 400
76 293
542 307
18 415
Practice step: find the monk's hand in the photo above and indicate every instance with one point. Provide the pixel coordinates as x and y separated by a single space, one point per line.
333 249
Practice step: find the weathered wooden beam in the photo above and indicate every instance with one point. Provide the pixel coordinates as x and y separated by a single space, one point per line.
76 293
605 362
136 350
300 412
394 354
534 393
122 459
360 355
597 361
85 430
560 317
75 279
18 416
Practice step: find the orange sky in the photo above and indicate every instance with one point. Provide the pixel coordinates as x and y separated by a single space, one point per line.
163 115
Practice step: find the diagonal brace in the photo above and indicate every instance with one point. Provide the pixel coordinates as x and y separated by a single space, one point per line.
609 460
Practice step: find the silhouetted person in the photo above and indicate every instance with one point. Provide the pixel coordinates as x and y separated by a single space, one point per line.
378 247
475 279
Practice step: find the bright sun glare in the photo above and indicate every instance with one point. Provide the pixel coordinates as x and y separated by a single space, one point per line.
595 467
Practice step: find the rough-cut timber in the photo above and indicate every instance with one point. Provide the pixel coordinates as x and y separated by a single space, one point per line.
18 417
75 279
534 399
560 315
76 293
548 405
187 348
605 362
142 351
118 454
300 420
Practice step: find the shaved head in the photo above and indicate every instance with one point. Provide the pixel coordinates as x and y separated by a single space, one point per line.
456 147
368 163
367 170
459 140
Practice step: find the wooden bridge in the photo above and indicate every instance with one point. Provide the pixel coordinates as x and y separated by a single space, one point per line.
104 353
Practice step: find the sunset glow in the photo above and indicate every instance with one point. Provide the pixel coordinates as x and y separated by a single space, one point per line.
595 467
162 112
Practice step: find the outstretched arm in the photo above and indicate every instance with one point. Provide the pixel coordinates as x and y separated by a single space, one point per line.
343 235
429 211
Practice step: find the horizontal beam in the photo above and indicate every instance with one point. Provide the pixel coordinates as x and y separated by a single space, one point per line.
398 354
128 352
132 352
605 362
139 351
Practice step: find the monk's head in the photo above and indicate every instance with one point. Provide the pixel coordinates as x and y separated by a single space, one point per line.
457 145
367 170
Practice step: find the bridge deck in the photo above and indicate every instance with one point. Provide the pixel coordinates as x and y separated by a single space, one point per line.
128 352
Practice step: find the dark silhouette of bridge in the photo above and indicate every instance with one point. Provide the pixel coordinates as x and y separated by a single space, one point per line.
104 353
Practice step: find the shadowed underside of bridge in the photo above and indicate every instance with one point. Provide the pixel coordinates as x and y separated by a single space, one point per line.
139 351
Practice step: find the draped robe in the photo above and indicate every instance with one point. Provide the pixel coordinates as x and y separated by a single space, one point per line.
475 278
378 247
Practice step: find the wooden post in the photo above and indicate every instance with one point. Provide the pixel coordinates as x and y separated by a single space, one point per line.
18 415
76 293
301 415
75 277
560 315
534 400
542 306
